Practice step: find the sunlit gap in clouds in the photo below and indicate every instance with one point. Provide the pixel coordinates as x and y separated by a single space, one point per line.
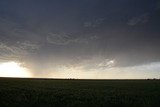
150 70
101 71
13 69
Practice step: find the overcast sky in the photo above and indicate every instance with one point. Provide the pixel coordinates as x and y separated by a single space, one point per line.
82 38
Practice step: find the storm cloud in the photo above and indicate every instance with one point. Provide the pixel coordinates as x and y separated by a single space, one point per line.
50 37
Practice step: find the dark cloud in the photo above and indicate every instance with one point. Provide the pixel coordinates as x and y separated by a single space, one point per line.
59 39
89 33
158 5
94 23
140 19
15 41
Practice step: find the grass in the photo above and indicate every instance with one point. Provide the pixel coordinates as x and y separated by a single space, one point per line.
18 92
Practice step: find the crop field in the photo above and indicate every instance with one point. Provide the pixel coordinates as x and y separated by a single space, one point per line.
20 92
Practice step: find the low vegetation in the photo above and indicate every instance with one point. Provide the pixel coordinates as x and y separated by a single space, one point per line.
16 92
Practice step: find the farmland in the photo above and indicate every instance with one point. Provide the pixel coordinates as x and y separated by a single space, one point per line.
23 92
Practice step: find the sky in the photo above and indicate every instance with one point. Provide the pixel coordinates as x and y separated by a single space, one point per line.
90 39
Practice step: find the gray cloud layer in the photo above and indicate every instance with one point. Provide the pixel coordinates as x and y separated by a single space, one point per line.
92 33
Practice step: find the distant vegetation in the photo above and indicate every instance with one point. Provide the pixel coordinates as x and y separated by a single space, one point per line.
79 93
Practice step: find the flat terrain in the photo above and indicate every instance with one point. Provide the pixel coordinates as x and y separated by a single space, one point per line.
16 92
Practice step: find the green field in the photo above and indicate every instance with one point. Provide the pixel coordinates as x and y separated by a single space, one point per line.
16 92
